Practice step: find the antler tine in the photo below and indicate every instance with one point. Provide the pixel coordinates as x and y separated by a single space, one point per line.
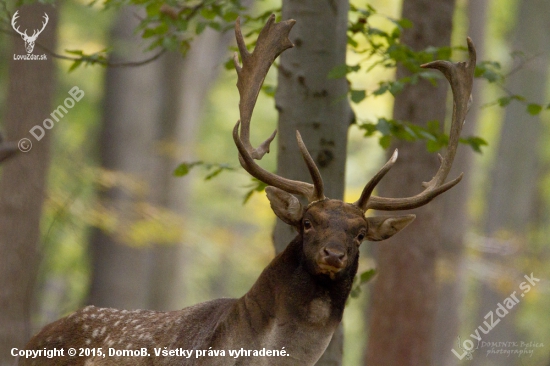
369 188
460 76
318 192
291 186
272 41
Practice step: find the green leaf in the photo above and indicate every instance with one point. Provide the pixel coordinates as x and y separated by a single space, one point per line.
405 23
219 168
358 95
367 276
383 126
504 101
208 13
355 292
360 280
75 52
433 146
200 27
433 127
370 128
75 65
153 9
230 16
338 72
269 90
534 109
215 25
215 173
475 143
341 71
182 170
257 186
384 87
489 70
396 87
385 141
352 42
427 135
412 135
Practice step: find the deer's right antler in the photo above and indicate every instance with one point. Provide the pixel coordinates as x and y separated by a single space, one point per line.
460 75
273 40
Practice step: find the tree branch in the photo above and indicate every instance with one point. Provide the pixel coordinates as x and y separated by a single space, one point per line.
105 63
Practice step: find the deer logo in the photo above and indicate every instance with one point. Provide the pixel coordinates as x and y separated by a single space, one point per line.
29 40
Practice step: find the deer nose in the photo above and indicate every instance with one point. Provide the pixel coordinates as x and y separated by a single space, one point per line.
334 257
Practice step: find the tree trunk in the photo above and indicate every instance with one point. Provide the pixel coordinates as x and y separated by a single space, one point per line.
455 224
405 291
511 206
121 273
306 100
22 185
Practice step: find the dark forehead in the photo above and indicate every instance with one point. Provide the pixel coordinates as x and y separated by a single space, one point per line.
336 211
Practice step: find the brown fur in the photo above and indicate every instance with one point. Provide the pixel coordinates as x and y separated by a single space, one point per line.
294 304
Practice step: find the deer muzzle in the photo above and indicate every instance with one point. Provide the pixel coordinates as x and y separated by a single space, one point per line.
332 260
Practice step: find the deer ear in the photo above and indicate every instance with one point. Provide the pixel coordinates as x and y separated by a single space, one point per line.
384 227
287 207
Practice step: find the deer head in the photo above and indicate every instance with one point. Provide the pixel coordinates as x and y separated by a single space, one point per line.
332 229
29 40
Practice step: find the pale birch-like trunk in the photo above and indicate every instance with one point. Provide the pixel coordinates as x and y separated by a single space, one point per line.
308 101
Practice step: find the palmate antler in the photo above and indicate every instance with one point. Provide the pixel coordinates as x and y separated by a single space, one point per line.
460 75
272 41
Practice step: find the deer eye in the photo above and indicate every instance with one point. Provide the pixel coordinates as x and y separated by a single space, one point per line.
307 224
361 236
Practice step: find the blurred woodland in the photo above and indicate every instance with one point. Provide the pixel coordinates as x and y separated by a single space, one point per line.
135 199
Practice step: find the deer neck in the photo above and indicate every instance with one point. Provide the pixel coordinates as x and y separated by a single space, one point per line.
287 293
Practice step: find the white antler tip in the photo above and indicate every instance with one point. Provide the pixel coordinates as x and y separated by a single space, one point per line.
394 156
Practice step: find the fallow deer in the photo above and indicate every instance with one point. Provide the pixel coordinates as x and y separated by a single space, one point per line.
289 315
